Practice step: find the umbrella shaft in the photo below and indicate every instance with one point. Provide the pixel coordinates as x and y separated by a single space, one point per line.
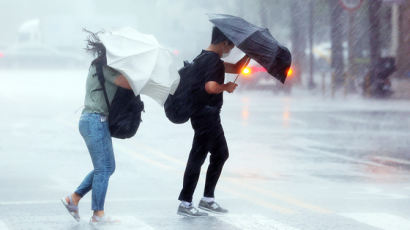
236 78
240 70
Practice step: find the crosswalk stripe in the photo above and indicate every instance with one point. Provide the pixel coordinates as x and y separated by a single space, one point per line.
125 222
132 222
85 200
380 220
250 222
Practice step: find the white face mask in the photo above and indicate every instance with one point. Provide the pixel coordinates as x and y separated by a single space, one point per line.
224 55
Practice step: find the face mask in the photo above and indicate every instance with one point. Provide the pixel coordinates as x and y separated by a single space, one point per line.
224 55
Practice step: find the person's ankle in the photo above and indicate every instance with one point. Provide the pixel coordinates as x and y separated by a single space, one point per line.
208 199
76 198
186 204
99 213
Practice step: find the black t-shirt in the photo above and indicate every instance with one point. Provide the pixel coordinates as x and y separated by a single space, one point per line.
209 68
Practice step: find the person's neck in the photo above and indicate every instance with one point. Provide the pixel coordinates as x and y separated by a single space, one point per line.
215 48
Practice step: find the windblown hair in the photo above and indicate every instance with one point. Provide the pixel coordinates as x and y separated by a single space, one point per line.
96 48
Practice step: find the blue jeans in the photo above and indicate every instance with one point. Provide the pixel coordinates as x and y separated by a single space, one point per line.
96 134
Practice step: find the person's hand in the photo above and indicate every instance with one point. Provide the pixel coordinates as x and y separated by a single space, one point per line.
230 87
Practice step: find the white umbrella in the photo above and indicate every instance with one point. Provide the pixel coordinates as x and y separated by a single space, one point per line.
148 67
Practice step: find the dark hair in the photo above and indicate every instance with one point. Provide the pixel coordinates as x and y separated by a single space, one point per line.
95 47
218 37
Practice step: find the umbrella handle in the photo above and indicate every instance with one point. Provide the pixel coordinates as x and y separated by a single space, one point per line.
243 66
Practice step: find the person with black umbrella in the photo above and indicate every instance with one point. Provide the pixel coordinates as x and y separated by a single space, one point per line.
257 43
209 134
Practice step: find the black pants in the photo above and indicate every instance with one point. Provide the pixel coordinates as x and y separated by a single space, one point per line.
209 137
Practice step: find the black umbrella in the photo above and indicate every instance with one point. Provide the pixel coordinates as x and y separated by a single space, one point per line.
256 42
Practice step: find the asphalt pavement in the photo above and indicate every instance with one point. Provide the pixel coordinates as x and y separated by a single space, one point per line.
297 162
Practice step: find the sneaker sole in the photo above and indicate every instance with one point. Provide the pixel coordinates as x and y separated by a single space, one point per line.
210 210
187 215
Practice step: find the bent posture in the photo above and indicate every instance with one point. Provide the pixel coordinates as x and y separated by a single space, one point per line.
94 129
209 135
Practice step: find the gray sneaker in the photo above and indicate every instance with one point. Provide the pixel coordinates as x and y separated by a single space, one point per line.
71 207
100 220
212 207
190 211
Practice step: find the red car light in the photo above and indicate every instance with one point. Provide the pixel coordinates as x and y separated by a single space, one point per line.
246 71
290 72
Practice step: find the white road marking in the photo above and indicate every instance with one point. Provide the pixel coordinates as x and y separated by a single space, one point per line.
28 202
255 222
59 221
132 222
380 220
3 226
340 156
392 159
36 202
378 193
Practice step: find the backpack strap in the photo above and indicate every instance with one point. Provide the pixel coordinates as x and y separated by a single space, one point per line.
101 79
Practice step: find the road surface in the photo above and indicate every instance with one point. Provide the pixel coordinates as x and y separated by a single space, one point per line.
296 162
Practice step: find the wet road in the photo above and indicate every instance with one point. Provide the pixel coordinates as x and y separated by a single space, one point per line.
296 162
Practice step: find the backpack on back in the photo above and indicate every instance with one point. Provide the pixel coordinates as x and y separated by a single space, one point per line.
178 106
125 110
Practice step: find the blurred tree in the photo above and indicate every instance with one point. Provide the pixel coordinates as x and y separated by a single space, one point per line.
298 37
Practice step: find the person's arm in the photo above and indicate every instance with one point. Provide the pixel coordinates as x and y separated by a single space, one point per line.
122 82
116 77
213 87
237 67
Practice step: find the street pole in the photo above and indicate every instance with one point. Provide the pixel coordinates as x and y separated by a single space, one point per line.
349 78
311 84
395 30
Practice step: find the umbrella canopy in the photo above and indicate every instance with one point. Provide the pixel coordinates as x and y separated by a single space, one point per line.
256 42
148 67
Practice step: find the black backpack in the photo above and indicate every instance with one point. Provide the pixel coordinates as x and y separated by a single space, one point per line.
125 110
178 107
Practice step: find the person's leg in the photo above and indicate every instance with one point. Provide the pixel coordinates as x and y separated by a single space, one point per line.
196 158
71 201
219 154
102 156
83 188
85 131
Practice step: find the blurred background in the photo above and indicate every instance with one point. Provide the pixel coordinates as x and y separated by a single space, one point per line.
358 46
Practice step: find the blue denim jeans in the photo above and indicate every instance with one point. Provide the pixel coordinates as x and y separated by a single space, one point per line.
94 129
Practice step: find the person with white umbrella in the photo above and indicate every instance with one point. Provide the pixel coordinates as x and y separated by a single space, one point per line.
126 59
94 129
